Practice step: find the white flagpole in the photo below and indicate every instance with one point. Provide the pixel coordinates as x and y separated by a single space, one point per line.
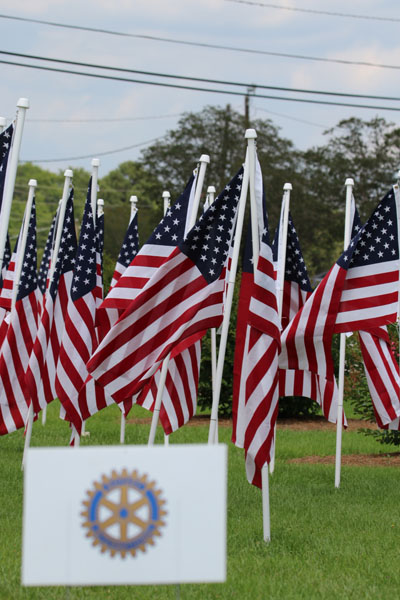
349 183
22 105
190 222
93 194
22 243
250 134
255 237
60 221
287 188
167 199
3 124
133 200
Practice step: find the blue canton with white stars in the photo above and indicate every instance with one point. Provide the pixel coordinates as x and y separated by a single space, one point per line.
84 279
45 262
28 279
377 241
5 146
171 229
208 243
66 255
130 245
295 268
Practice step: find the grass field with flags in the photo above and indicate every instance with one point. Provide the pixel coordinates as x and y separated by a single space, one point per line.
326 542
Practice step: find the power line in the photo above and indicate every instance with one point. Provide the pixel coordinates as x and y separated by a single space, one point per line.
196 79
316 12
199 89
291 118
202 44
104 120
49 160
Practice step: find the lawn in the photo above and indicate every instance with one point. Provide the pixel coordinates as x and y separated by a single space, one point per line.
326 543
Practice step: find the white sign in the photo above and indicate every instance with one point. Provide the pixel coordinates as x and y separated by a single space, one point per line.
124 515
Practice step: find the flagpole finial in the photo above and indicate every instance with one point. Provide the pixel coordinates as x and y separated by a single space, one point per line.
95 162
100 202
32 183
349 181
133 200
287 186
3 123
23 103
204 158
165 194
68 173
211 189
250 134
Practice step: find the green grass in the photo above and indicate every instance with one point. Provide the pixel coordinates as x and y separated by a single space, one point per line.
326 543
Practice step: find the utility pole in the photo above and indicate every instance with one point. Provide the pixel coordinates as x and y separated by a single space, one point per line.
250 91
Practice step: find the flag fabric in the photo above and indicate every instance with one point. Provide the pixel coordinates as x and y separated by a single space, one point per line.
79 338
179 399
129 249
181 301
257 406
360 292
151 256
380 365
6 138
382 373
41 371
45 262
18 341
296 291
134 269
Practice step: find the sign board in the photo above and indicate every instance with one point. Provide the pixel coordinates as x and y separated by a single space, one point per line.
124 515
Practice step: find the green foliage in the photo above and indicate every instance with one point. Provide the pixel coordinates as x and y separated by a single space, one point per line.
297 406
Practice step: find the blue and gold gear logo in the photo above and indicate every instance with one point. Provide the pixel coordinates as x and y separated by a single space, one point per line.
124 513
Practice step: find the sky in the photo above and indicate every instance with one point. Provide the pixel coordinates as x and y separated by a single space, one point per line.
74 118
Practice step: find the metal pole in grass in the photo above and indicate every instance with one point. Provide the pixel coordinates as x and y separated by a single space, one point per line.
190 222
133 200
60 223
228 300
280 280
349 183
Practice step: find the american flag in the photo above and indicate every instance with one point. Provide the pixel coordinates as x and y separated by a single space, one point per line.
380 365
131 275
360 292
182 299
41 371
18 342
45 262
179 399
79 338
257 407
129 249
6 137
152 255
296 290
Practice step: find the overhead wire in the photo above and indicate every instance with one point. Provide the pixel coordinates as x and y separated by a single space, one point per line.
199 89
316 11
246 85
200 44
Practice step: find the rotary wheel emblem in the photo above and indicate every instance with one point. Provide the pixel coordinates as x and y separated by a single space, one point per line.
123 513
